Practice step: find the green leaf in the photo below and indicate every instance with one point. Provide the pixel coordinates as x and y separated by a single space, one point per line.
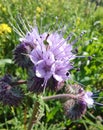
5 61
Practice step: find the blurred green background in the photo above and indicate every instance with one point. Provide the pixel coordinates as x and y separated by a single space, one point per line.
75 16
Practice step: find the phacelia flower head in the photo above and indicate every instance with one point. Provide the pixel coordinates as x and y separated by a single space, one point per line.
52 58
27 44
76 108
48 55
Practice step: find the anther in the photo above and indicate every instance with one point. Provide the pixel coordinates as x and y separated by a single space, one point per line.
76 50
67 74
47 36
78 69
89 57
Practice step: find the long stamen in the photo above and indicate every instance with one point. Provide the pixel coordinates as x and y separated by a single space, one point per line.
63 52
62 42
96 97
68 59
44 85
19 28
77 82
16 30
82 56
73 42
97 103
27 25
22 22
59 44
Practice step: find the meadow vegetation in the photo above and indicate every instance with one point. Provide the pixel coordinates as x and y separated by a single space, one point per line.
74 16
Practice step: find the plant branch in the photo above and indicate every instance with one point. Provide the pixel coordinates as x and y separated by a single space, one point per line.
34 117
61 96
19 82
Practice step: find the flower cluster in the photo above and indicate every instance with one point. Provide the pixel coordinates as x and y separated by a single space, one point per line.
76 108
9 94
51 57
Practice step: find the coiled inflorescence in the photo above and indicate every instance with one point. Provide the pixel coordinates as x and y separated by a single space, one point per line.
51 56
76 108
9 94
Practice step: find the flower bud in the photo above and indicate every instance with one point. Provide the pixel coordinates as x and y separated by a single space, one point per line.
20 55
10 95
74 109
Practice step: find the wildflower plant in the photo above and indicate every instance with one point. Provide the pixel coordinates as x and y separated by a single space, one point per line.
48 60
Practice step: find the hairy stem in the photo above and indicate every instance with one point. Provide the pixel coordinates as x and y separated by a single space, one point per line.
34 117
19 82
61 96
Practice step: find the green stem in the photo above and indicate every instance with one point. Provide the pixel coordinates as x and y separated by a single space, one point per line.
19 82
33 118
61 96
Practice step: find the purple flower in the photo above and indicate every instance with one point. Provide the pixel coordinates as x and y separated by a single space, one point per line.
61 70
31 37
50 54
87 98
74 109
45 67
27 44
52 57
